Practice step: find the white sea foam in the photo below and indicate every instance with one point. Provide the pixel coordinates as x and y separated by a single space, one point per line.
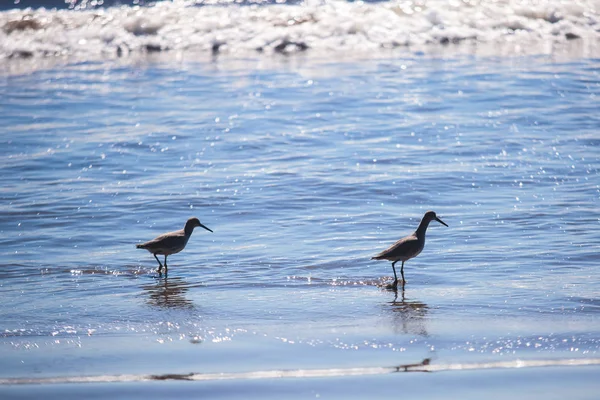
324 26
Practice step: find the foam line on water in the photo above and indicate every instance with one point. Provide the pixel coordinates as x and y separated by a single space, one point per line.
324 27
423 366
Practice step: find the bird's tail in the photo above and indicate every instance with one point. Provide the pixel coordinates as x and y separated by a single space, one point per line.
140 246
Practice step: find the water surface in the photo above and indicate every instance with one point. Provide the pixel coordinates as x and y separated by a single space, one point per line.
304 168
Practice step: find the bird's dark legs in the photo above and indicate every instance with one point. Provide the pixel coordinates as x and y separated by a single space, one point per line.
401 273
166 264
159 264
395 285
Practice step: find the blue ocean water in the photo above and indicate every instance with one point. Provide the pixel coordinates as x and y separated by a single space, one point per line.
304 169
309 139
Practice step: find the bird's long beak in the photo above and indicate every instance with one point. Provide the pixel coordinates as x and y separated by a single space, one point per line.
440 221
211 229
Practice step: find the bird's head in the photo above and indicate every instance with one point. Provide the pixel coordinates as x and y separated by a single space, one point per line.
193 223
431 216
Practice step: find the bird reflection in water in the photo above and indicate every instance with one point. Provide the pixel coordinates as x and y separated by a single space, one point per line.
168 293
409 316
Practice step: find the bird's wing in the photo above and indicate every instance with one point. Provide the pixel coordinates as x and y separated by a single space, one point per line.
165 240
406 246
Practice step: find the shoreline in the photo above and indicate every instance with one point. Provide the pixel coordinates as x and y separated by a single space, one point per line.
425 365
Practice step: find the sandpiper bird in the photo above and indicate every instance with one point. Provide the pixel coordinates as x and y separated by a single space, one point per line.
408 247
172 242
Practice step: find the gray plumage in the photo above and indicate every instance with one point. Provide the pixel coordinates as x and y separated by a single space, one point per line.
408 247
171 242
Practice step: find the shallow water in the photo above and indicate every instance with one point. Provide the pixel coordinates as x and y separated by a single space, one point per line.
525 384
304 168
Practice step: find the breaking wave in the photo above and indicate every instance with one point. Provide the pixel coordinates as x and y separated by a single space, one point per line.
228 27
